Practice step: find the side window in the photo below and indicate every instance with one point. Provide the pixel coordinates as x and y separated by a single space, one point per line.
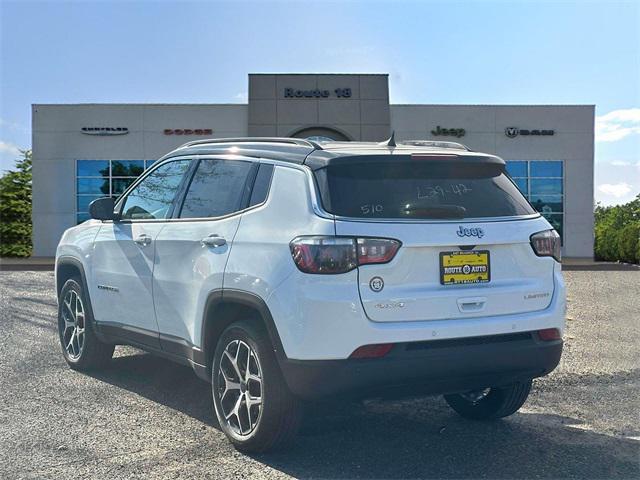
152 198
217 188
261 185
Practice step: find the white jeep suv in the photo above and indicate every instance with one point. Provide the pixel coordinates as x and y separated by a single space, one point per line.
284 270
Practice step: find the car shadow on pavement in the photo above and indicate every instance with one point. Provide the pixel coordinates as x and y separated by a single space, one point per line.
161 381
422 438
417 438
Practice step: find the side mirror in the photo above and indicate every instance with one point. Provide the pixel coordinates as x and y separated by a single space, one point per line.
102 209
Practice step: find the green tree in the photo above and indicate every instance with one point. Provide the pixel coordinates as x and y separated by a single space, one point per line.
15 209
617 232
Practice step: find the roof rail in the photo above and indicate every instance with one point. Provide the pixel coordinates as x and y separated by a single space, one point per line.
293 141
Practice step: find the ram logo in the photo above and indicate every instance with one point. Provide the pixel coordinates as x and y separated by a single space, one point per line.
511 132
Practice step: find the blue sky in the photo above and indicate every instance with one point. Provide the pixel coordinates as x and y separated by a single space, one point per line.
435 52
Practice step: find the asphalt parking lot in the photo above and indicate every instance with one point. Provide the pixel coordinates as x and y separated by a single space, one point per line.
146 417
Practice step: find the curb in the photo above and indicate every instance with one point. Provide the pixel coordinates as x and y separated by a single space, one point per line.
37 264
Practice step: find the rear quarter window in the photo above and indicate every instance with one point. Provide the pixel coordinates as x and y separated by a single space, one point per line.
261 185
419 190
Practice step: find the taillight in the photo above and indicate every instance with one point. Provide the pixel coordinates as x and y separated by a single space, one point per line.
324 254
546 244
327 254
376 250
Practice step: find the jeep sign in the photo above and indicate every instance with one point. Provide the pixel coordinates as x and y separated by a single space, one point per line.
453 132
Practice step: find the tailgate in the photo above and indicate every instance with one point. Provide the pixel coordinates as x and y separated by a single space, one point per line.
410 287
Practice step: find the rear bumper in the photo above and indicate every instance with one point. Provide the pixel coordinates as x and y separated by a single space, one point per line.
441 366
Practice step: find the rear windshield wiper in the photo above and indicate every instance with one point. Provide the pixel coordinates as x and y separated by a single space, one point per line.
434 211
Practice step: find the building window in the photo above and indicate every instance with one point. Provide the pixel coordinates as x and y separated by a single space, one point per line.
542 182
104 178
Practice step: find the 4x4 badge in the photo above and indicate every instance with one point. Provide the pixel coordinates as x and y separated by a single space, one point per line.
376 284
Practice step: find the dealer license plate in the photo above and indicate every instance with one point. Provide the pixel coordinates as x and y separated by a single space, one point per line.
464 267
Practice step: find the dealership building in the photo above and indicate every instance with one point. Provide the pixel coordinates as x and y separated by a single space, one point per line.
84 151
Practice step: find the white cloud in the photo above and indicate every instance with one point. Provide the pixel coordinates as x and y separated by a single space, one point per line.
242 96
613 179
617 190
8 148
624 164
618 124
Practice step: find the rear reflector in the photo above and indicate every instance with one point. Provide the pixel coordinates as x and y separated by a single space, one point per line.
549 334
372 351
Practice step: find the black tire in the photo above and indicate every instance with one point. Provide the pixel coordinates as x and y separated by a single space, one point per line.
90 353
278 418
497 403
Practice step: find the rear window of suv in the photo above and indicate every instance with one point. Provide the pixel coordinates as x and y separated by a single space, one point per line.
419 190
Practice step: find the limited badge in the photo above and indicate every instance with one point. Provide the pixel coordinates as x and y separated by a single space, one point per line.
376 284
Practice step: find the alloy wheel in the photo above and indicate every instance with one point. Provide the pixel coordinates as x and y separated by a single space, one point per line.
73 324
240 387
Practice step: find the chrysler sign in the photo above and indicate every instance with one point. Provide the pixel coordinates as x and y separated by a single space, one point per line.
513 132
104 130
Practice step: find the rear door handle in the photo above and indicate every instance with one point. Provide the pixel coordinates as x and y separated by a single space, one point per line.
472 304
143 240
213 241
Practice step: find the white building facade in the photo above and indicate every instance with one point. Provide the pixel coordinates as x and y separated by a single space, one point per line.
85 151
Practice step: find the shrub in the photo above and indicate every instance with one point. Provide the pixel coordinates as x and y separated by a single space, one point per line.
617 232
628 243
